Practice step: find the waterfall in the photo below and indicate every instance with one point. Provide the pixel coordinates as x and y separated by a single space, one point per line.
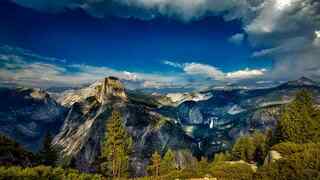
211 124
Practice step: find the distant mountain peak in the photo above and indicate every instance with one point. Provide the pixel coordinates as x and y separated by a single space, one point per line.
303 81
102 90
111 86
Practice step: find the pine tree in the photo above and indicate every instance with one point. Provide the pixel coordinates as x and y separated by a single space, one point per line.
168 163
116 148
155 164
243 149
261 147
203 166
48 154
299 121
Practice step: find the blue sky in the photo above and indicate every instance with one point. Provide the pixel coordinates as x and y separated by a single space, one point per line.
159 43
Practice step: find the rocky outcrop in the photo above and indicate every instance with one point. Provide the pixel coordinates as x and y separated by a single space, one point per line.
272 157
111 86
103 90
26 115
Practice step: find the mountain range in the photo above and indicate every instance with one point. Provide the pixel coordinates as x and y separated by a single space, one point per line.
203 122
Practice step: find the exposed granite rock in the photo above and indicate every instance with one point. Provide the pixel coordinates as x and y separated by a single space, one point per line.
111 86
272 157
84 128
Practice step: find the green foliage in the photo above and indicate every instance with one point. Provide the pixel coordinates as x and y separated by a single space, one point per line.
168 163
300 121
203 165
154 167
298 135
116 148
251 148
299 162
288 148
225 170
43 173
261 149
243 149
221 157
48 154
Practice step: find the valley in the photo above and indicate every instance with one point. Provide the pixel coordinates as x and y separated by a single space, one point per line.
203 126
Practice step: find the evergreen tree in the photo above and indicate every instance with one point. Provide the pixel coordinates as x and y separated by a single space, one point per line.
261 147
221 157
116 148
203 166
48 154
155 164
243 149
168 163
299 122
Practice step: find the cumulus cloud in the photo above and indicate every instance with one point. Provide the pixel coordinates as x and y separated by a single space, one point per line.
236 39
246 74
208 71
203 70
289 28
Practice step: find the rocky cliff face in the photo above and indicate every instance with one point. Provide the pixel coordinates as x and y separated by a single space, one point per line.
83 129
27 114
102 90
111 86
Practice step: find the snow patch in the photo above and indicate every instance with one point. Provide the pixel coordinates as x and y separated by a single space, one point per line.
182 97
235 109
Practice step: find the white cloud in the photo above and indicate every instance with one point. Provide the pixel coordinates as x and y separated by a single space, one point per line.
173 64
237 38
181 9
203 70
208 71
246 74
24 69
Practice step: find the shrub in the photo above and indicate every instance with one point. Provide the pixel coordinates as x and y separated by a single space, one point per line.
299 162
44 172
239 171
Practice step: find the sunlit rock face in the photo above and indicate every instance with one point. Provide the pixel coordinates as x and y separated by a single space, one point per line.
26 115
111 86
84 128
103 90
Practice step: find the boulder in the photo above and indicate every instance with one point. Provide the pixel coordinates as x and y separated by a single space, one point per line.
272 157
